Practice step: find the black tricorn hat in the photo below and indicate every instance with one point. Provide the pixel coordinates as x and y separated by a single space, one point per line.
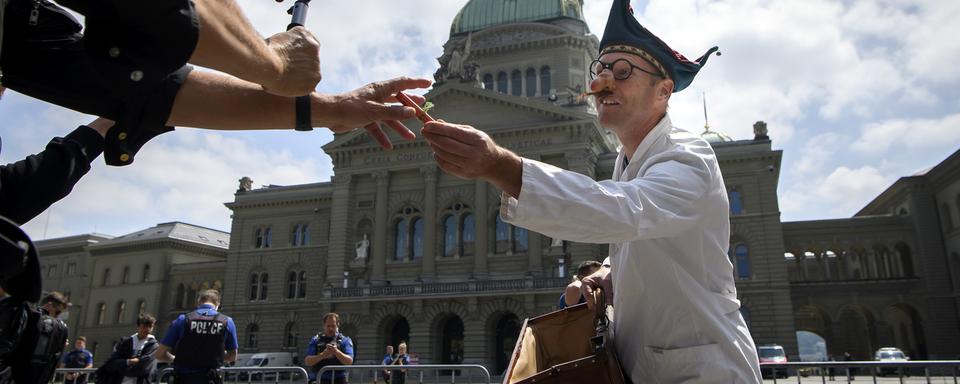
624 33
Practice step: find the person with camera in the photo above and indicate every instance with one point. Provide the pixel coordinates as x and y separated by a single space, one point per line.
329 347
399 376
79 357
201 342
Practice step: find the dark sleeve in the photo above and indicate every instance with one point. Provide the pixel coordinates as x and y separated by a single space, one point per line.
118 359
127 66
29 186
148 361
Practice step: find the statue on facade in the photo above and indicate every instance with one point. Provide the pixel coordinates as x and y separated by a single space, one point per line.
246 184
760 130
363 246
470 72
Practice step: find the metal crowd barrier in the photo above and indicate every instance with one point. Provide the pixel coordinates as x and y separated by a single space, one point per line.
259 375
60 375
850 370
442 373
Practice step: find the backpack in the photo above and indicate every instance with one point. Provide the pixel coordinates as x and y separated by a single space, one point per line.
36 356
13 321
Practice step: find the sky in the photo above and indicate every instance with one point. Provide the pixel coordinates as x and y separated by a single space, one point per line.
855 93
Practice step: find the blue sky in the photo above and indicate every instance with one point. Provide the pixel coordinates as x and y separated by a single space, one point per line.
856 93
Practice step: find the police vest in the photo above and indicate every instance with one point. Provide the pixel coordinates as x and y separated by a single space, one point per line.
203 342
76 359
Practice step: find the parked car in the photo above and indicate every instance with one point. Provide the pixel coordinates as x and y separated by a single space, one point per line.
890 355
772 354
268 360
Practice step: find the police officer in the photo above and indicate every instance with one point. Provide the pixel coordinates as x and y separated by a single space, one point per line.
79 357
202 341
329 348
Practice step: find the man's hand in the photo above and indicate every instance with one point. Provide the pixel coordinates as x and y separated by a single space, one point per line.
366 107
133 361
297 63
470 153
101 125
602 279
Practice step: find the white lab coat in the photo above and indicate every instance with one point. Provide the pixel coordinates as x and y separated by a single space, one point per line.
666 218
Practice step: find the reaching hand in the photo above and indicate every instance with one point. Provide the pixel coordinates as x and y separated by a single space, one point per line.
470 153
365 107
298 56
600 279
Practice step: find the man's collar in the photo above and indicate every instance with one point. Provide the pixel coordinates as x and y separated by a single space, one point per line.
207 306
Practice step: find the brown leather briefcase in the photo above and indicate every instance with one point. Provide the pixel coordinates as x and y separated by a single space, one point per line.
565 346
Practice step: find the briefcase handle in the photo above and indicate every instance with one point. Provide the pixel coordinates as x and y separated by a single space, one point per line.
600 320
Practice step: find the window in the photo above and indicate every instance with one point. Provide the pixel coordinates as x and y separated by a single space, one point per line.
408 235
531 82
262 237
449 236
253 332
417 238
742 256
267 237
121 311
71 269
300 235
290 335
468 234
508 238
102 314
258 238
52 271
180 299
146 273
302 284
291 284
106 277
458 231
516 83
296 284
258 286
305 234
502 82
488 81
401 242
545 80
125 278
736 204
295 236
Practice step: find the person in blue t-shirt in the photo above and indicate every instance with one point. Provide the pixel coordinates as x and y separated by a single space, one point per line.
387 360
79 357
571 295
201 342
329 348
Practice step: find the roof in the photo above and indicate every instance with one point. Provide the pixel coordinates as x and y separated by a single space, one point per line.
176 231
481 14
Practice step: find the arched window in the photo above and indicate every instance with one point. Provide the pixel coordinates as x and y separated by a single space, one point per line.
290 335
736 204
468 234
531 82
516 83
502 235
545 80
742 255
125 278
302 284
449 236
253 336
180 299
488 81
263 286
254 286
520 242
502 82
102 314
400 252
417 238
121 311
106 277
267 237
305 234
141 307
295 236
146 273
291 284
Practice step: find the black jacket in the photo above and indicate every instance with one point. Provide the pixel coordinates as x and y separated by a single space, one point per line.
30 186
116 368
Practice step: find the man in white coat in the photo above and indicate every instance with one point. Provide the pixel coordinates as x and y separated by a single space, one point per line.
665 214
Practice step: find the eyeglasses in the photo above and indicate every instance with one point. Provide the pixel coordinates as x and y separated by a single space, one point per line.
621 69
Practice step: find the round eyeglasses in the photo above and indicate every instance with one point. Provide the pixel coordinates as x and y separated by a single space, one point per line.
621 69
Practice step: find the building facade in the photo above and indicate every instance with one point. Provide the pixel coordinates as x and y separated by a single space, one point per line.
403 251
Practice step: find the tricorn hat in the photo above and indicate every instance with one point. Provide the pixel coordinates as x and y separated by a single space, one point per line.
624 33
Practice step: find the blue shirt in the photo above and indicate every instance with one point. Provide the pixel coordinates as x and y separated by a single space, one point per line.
175 332
78 358
563 301
346 346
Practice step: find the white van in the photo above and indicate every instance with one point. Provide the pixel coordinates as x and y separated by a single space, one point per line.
268 360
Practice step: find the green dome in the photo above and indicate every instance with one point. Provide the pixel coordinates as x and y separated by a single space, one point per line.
480 14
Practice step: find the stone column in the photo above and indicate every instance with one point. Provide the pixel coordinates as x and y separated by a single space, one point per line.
429 261
380 228
482 229
340 249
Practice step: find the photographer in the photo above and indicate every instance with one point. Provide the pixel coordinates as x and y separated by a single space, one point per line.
399 376
329 348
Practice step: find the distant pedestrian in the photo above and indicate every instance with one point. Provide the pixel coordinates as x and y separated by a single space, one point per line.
79 357
387 360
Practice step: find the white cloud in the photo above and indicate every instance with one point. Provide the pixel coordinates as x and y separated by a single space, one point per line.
909 134
840 194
